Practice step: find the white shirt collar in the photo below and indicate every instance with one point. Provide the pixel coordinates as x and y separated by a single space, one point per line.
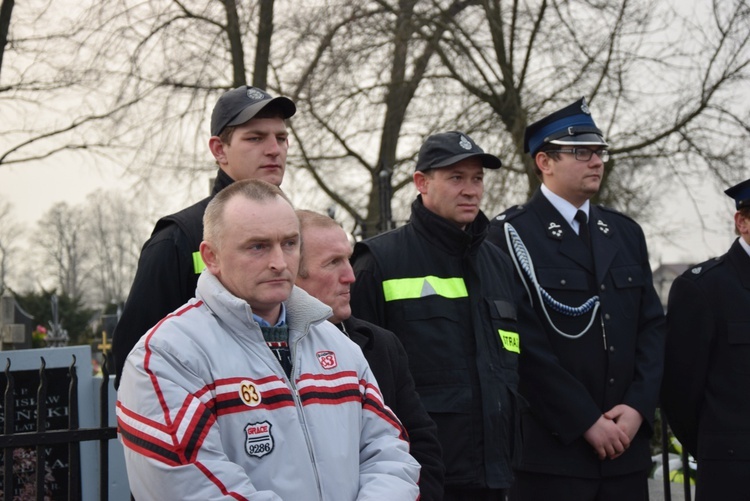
745 245
566 209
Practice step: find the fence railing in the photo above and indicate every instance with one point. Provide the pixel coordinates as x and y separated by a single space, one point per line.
11 440
42 437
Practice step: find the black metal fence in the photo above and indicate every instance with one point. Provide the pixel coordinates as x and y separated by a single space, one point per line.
39 440
41 437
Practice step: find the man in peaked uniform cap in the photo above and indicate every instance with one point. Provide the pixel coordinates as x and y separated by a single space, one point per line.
249 140
592 377
706 388
451 298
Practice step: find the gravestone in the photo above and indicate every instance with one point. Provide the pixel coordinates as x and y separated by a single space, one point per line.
16 325
24 367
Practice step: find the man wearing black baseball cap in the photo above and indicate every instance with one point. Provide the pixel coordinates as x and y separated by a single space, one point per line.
249 140
452 300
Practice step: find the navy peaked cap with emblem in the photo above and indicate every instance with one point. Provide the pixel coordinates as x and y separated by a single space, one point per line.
740 193
571 125
448 148
237 106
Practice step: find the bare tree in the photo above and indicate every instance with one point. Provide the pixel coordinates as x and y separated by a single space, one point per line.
670 91
10 234
62 241
140 79
114 234
373 78
6 11
367 65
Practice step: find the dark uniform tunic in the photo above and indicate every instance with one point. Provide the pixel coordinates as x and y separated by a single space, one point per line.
167 274
706 391
570 383
452 300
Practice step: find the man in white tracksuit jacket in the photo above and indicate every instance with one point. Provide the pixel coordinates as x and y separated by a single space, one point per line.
246 392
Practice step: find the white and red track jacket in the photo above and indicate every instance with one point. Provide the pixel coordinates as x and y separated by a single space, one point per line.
205 410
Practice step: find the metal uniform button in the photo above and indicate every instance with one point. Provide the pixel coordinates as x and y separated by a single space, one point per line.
562 282
604 287
612 381
606 316
630 279
611 349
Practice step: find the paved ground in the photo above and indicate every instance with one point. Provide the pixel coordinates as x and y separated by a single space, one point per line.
656 491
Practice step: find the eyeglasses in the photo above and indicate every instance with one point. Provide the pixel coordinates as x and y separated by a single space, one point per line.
584 154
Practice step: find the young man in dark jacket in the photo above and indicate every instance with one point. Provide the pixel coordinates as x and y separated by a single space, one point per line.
326 274
249 140
452 299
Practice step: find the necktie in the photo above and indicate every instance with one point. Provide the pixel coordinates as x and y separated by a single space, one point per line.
583 228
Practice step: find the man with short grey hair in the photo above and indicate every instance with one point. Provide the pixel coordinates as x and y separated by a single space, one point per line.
246 392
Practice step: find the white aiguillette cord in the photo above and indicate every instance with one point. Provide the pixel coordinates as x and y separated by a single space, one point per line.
525 267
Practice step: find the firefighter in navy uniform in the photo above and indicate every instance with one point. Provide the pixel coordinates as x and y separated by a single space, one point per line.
452 299
706 389
592 377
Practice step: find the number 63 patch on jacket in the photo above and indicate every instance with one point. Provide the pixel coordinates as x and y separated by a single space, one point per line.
258 439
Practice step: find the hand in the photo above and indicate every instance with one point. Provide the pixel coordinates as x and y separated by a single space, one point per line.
607 438
628 419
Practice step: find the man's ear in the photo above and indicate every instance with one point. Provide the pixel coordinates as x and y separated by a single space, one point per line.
420 181
742 224
543 162
210 257
217 149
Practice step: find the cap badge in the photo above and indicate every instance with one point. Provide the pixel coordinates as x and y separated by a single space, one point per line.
555 230
464 143
255 94
585 108
602 226
696 270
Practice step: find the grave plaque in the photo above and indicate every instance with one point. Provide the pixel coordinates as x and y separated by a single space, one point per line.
24 368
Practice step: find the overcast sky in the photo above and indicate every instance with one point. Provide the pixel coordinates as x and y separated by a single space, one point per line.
32 188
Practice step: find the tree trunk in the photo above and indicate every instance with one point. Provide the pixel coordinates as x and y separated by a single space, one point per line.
263 47
234 35
5 11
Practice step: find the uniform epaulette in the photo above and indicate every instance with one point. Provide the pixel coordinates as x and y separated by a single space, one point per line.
699 270
510 213
617 212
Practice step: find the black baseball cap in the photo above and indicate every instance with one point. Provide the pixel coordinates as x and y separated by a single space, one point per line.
447 148
237 106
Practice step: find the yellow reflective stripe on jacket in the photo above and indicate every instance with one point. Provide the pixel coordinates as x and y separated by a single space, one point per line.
198 264
510 340
412 288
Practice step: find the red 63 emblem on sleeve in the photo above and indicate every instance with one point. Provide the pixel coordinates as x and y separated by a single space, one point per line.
327 359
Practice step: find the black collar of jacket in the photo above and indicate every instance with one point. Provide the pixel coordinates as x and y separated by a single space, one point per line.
358 332
222 181
446 235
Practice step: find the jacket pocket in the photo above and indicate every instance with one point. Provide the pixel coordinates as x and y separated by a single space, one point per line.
563 279
738 337
629 282
504 320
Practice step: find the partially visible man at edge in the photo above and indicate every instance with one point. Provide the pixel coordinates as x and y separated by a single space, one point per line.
325 273
249 140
